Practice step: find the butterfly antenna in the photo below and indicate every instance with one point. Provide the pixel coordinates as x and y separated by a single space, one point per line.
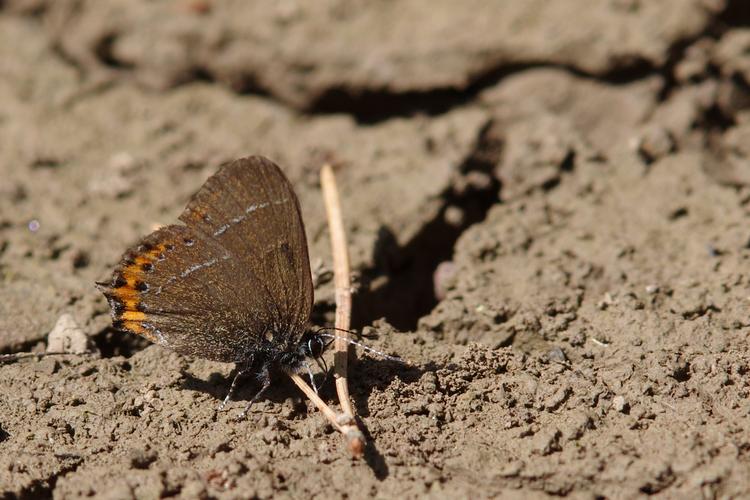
324 328
364 347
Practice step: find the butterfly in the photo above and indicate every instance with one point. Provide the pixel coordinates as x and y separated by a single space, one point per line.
232 283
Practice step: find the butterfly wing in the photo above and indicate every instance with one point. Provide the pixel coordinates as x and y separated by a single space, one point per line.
236 273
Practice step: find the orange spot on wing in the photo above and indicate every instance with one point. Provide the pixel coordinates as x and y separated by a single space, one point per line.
130 317
127 295
131 274
136 327
133 316
134 272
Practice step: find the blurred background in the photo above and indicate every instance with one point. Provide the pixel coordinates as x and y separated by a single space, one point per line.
547 206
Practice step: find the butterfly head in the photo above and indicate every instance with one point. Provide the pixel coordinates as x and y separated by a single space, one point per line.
311 345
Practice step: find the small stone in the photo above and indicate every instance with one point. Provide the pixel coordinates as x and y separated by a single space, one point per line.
605 302
619 404
68 337
454 216
557 355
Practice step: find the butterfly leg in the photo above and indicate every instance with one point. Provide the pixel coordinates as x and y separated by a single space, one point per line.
312 377
265 379
242 370
323 367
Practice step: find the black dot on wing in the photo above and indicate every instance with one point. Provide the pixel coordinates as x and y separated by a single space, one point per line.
189 242
118 281
147 267
140 307
117 306
169 246
141 286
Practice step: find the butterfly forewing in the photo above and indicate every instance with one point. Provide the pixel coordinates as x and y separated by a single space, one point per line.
236 273
250 209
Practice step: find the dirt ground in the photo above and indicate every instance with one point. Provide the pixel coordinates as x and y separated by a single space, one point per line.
547 204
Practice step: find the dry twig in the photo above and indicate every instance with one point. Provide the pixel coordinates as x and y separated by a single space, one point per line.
345 422
322 406
342 282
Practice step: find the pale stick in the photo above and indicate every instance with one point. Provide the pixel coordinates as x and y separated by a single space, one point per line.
343 290
7 358
345 422
322 406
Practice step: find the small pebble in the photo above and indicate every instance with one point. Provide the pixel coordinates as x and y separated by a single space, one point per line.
68 337
619 404
454 216
556 354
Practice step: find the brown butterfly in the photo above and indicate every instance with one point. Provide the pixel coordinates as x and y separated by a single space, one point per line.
232 283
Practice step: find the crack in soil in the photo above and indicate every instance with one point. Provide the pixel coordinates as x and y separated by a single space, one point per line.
409 291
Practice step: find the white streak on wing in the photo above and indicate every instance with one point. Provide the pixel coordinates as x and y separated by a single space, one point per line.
236 220
195 267
190 270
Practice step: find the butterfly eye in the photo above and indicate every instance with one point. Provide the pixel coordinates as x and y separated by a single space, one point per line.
311 345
